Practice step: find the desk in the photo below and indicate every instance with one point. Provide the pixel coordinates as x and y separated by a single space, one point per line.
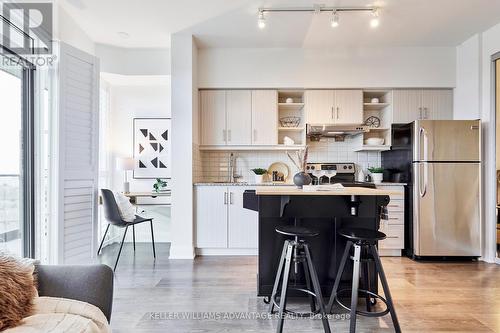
134 195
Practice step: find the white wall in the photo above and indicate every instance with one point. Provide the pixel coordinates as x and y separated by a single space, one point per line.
133 61
488 43
66 30
315 68
184 110
137 97
468 88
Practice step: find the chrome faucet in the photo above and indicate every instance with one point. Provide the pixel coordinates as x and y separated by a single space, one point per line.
232 176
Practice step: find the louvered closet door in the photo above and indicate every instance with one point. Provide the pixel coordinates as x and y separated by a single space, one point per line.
78 155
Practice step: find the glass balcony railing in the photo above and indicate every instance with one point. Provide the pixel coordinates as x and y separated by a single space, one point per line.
10 213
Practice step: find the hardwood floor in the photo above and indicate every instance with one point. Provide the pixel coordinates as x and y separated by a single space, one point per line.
429 297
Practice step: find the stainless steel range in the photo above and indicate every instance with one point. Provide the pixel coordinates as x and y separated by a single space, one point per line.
331 173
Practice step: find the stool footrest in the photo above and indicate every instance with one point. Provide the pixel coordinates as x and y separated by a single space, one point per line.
361 312
299 314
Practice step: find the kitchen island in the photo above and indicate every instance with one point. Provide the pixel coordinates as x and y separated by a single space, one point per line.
326 211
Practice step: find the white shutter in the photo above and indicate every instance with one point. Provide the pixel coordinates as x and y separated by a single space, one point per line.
78 125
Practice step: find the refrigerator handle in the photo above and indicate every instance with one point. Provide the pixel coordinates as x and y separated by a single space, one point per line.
423 145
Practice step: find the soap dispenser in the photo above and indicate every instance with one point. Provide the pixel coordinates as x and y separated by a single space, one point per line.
360 176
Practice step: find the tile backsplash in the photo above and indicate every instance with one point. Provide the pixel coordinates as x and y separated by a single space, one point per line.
214 164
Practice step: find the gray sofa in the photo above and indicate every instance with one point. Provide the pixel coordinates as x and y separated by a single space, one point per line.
88 283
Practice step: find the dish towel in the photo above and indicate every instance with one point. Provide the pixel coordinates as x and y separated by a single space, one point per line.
383 214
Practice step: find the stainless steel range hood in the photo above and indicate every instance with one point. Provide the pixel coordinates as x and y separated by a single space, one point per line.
334 131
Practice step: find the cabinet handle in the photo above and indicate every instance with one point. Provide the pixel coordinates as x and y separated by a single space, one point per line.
254 135
419 113
337 112
231 198
225 198
229 135
332 113
426 113
224 135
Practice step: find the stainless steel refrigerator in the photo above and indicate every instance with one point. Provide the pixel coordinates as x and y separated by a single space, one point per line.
445 187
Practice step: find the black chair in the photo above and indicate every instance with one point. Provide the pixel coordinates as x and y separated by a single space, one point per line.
112 214
296 251
364 242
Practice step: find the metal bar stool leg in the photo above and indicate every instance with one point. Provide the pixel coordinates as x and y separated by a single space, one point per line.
317 290
366 282
152 238
308 285
355 285
121 246
284 287
385 286
339 276
102 241
133 235
278 276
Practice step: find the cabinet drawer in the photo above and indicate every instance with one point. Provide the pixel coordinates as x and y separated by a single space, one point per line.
396 206
395 237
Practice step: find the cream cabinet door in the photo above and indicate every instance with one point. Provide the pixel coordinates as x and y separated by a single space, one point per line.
213 117
348 107
264 117
407 105
437 104
211 216
242 223
238 117
319 105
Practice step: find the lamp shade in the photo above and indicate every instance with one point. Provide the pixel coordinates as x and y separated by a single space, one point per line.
124 163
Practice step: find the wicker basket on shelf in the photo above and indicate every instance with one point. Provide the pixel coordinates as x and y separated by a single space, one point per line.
290 121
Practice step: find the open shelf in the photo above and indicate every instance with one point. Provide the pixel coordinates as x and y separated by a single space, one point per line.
373 148
291 106
291 129
374 106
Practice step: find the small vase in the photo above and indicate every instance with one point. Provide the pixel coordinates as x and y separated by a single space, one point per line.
259 179
377 178
301 178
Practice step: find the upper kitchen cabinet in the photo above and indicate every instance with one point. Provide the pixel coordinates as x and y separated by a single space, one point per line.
334 106
238 117
413 104
319 106
348 107
264 122
213 117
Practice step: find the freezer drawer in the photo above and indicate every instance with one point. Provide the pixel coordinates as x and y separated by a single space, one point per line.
447 140
447 209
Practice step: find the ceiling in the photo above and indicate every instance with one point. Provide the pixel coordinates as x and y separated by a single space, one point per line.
233 23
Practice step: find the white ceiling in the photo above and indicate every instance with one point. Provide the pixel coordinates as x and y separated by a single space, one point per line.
233 23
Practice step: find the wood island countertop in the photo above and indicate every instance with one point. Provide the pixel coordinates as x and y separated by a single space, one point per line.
288 190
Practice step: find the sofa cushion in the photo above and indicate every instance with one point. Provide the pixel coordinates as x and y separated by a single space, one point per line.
17 290
53 314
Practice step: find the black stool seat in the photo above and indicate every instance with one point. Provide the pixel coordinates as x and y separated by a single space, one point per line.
295 231
365 235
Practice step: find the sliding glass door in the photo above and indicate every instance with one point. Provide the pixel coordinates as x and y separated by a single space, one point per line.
16 167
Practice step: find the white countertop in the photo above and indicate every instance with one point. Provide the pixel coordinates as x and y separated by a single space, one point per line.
288 190
272 184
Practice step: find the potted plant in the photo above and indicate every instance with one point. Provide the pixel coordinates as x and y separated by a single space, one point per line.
377 174
159 185
259 175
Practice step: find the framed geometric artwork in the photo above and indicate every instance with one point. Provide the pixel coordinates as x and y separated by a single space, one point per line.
152 148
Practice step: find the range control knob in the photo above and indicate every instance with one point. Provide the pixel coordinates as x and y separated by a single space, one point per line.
308 167
312 167
345 167
350 167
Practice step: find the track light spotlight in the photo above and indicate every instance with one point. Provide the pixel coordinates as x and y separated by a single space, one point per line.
375 20
262 20
335 19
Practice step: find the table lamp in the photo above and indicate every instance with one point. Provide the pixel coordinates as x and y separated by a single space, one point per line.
125 164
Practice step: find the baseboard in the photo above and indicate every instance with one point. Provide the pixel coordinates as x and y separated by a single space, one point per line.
226 252
181 252
389 252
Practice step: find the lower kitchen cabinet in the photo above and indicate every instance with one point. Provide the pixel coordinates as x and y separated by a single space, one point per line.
223 226
394 226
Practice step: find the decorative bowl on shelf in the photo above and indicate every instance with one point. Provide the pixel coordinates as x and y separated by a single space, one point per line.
290 121
289 100
374 141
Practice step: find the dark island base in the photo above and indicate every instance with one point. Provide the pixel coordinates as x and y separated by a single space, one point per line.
327 214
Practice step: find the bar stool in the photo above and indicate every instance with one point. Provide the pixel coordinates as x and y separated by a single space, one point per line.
296 251
364 241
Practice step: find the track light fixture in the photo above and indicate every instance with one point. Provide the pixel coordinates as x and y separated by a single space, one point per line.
262 20
334 21
375 21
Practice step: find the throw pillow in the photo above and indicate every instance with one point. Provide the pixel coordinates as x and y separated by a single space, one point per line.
126 209
17 290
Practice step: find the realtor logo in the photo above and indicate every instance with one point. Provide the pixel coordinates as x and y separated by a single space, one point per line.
27 27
